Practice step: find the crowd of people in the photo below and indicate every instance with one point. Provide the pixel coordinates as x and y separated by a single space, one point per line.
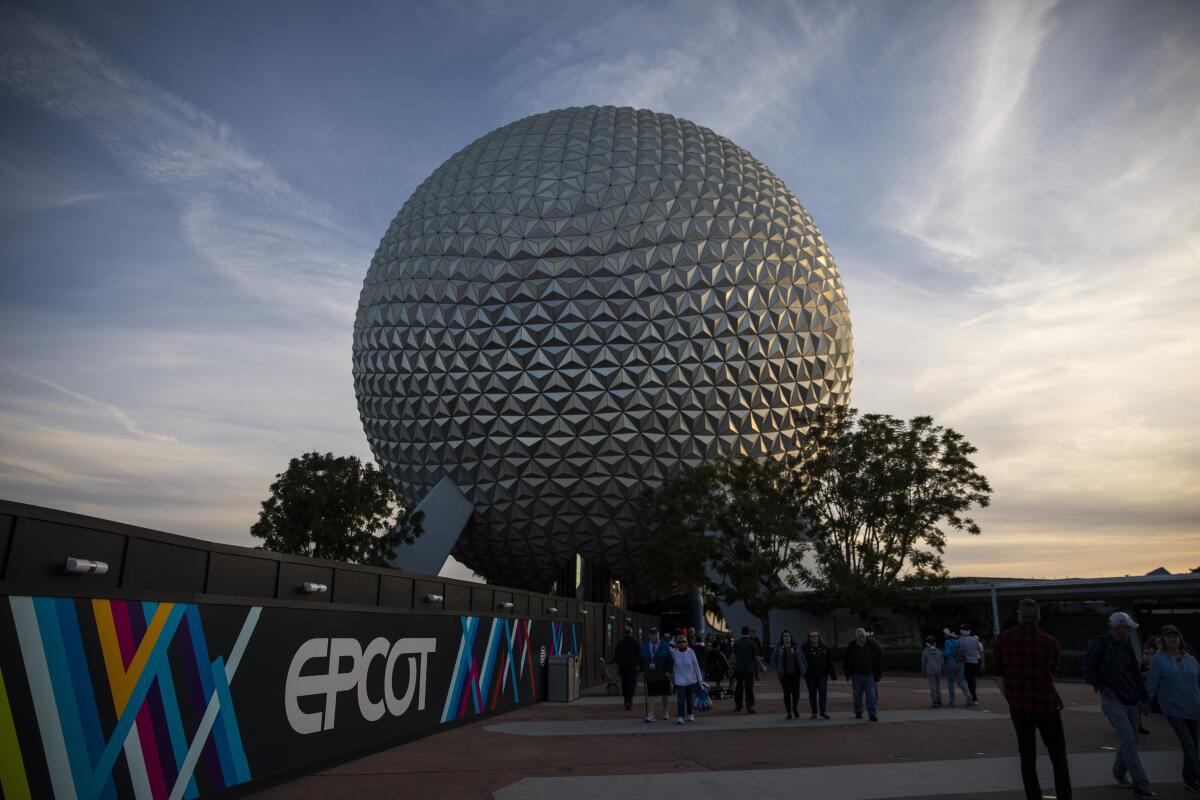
1024 660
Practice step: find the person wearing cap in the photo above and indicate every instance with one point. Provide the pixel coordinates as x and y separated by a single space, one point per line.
627 657
1111 667
656 666
931 666
972 659
1174 681
1024 661
686 670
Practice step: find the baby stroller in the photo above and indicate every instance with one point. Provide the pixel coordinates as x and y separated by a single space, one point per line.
612 677
717 669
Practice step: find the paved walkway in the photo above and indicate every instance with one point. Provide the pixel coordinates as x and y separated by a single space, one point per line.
596 749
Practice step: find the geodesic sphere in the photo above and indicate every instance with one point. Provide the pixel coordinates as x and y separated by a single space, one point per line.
578 304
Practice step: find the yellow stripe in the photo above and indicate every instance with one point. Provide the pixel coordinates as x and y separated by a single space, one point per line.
111 649
13 782
121 680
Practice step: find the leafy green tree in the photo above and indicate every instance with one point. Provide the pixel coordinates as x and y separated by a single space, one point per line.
732 527
879 496
336 508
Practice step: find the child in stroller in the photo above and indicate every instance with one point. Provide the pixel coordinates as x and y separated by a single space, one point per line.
716 669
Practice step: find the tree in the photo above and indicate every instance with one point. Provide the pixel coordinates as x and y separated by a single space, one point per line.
336 508
879 494
733 527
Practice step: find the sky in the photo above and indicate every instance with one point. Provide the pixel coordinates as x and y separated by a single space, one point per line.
191 194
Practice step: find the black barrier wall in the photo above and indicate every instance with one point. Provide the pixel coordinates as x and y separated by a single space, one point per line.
188 668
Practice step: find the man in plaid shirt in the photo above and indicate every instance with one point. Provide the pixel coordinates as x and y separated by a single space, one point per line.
1024 661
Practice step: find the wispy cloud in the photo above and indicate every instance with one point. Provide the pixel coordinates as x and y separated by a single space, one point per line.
109 409
236 210
740 69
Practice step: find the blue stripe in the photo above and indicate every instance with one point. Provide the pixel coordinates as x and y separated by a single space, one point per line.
229 719
64 693
204 667
574 641
81 682
170 702
117 739
464 665
485 680
512 667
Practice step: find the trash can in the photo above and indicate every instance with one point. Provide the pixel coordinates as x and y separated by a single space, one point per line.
563 680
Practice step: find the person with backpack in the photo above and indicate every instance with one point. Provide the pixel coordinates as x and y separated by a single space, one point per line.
955 658
789 664
931 666
819 673
1112 669
745 667
1024 661
1174 681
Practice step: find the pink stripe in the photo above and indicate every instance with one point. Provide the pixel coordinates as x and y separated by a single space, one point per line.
158 782
124 629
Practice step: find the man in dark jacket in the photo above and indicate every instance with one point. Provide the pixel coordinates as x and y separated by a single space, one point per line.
1113 670
820 671
864 669
656 668
626 659
745 667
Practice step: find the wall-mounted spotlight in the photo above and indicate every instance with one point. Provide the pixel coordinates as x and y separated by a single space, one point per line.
434 598
583 611
506 605
313 588
552 610
85 566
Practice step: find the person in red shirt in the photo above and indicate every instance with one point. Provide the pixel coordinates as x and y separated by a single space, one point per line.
1024 661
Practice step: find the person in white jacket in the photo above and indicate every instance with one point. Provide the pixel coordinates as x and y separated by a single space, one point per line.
686 669
931 665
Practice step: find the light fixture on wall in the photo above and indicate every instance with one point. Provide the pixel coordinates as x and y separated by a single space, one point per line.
313 588
85 566
506 605
434 598
552 610
583 611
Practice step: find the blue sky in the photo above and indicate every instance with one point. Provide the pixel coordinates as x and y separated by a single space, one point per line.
190 195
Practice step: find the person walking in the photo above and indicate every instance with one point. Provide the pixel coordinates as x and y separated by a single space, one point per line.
931 666
1174 681
656 667
864 670
686 670
745 668
955 658
627 657
1024 661
1111 667
972 659
820 672
655 662
788 661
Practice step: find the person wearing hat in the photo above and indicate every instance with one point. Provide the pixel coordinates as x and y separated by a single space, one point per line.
1024 661
1174 681
656 666
1111 667
931 666
972 650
